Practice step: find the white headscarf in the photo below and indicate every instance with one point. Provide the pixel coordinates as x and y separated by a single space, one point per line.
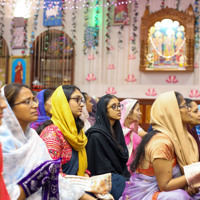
22 152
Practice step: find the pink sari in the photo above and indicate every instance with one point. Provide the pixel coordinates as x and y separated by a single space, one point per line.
132 138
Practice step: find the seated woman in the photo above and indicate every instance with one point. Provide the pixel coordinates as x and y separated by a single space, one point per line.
195 115
159 165
92 114
133 133
85 112
26 169
44 107
65 138
3 191
106 149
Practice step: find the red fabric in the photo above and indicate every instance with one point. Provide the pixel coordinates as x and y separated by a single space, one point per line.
3 192
18 76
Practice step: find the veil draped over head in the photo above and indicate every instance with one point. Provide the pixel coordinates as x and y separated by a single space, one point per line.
166 118
22 153
130 133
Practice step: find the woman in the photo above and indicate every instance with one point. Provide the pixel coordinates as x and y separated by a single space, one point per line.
133 133
3 192
22 149
44 108
159 165
92 114
195 115
85 112
65 138
106 149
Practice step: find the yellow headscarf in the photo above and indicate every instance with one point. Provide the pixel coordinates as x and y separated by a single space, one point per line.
166 118
63 118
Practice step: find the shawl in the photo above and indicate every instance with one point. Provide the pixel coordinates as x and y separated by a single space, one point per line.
166 118
92 115
63 118
22 153
42 117
131 142
104 153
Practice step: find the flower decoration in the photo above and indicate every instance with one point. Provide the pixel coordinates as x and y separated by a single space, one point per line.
196 65
131 57
112 48
120 35
194 93
151 92
111 90
2 13
134 26
73 30
177 4
111 66
172 79
34 25
130 78
87 4
91 77
196 11
25 36
108 25
91 57
62 33
162 4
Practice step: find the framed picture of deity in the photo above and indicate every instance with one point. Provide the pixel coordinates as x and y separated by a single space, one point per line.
121 10
167 40
19 70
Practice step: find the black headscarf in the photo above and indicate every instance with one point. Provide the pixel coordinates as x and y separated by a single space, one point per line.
106 153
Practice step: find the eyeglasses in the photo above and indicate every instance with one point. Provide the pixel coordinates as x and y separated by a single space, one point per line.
78 100
28 102
184 106
117 107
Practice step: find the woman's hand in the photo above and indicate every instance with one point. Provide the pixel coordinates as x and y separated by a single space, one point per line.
22 194
86 175
192 191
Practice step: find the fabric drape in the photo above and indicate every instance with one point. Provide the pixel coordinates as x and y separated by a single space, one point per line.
130 133
23 152
110 155
42 117
166 118
62 117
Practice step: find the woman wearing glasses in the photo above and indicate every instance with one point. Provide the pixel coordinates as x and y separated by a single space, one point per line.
65 138
29 171
133 133
106 149
163 167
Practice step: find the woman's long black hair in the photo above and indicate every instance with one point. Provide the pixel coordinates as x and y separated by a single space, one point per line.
140 150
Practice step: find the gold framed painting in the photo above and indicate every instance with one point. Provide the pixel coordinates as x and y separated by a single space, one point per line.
167 40
19 70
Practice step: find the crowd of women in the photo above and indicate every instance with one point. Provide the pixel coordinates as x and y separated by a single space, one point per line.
47 137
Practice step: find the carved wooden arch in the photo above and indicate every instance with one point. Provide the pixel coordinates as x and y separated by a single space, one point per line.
187 19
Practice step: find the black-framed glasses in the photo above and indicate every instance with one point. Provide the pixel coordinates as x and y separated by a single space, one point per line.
78 100
28 102
184 106
116 107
